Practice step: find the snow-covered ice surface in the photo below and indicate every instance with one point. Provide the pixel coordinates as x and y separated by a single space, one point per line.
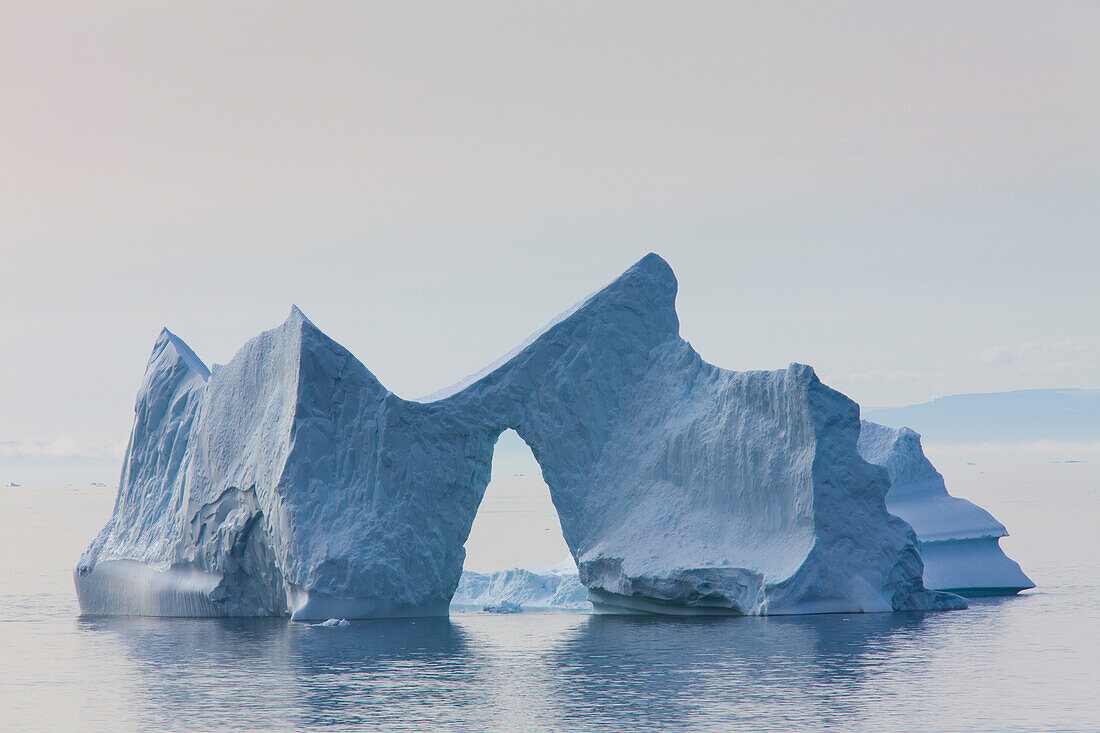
290 481
959 540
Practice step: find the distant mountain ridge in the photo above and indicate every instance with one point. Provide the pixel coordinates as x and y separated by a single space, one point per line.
1023 416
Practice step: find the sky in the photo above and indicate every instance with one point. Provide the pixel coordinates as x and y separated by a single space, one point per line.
903 196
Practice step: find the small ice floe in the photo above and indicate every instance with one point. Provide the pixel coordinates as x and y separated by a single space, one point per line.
334 622
13 485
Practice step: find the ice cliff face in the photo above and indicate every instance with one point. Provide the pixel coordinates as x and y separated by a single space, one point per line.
290 481
959 540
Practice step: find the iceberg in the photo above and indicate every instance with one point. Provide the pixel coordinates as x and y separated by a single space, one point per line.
959 541
557 587
290 481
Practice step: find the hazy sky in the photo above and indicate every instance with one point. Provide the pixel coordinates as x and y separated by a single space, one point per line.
904 196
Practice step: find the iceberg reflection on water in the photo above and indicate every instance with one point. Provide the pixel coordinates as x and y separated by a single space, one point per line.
571 672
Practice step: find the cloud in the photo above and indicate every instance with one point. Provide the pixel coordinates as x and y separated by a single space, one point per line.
60 447
1007 355
1033 357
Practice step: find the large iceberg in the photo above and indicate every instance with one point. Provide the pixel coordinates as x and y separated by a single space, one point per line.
291 482
959 541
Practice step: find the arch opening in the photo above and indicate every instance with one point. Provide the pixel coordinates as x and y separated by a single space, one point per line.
516 525
516 556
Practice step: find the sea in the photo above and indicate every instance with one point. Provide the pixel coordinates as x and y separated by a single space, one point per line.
1024 663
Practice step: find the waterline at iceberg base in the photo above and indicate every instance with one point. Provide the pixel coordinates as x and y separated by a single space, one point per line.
290 482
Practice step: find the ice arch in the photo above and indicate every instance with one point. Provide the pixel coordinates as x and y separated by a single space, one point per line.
290 481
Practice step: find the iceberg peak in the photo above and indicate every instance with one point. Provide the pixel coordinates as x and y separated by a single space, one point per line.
174 348
298 317
647 291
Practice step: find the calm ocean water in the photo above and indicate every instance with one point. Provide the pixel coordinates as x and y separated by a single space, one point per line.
1028 663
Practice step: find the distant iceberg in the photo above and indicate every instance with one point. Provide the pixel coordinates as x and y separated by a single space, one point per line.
540 589
291 482
959 541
